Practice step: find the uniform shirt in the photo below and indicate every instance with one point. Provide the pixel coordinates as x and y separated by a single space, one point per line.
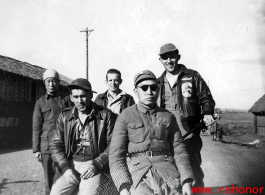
114 103
82 138
139 130
46 112
170 97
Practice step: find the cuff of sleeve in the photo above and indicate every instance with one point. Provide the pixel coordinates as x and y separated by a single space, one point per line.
64 167
97 165
188 180
125 186
207 113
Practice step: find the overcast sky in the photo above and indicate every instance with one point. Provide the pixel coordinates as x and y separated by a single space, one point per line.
223 40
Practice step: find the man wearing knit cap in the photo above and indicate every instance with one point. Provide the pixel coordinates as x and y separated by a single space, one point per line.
80 144
147 154
183 92
46 112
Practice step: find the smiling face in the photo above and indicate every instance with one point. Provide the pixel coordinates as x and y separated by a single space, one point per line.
113 81
81 99
146 91
51 85
170 61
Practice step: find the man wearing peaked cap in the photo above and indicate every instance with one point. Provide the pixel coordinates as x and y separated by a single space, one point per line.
183 92
82 84
147 155
80 144
46 112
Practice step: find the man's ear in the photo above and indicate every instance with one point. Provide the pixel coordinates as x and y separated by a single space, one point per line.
91 95
71 98
179 56
135 91
120 81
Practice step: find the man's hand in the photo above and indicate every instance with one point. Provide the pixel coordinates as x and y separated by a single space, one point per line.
186 189
71 177
90 172
38 156
208 119
125 192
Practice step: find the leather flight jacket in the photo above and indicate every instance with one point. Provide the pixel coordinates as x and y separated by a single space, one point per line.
100 132
195 103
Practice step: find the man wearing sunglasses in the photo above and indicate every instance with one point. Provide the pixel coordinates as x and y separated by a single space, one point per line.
183 92
147 153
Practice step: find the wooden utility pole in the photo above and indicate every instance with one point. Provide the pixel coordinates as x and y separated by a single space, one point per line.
87 35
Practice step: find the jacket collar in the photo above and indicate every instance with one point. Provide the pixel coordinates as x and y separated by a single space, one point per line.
105 95
48 96
145 111
183 69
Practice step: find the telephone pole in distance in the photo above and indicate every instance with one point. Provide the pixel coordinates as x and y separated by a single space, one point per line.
87 35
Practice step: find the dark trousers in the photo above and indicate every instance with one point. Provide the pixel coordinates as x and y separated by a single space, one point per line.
49 172
194 146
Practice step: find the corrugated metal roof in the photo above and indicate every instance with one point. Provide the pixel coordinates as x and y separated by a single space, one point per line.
25 69
259 106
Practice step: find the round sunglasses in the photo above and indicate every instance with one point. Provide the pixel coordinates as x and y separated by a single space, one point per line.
145 87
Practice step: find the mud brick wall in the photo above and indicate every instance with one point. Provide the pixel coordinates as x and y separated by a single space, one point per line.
16 124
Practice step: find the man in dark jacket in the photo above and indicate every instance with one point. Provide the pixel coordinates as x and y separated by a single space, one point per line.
114 98
46 112
183 92
80 144
147 154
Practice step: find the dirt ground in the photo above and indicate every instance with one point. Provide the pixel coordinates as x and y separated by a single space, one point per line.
224 164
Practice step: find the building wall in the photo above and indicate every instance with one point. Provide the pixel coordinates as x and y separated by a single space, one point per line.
18 96
15 124
260 125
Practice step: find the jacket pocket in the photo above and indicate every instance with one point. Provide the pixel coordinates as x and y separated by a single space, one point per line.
136 132
162 130
47 113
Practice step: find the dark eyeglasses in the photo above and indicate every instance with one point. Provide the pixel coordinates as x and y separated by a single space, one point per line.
145 87
165 56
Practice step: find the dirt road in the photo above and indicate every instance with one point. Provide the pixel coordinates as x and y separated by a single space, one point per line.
224 164
227 164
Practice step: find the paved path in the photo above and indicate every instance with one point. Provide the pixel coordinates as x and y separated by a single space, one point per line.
224 165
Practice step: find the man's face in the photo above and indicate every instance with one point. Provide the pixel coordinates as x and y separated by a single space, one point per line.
52 85
113 81
81 99
146 92
170 61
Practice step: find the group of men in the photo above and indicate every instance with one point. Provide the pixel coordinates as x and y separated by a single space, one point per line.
125 147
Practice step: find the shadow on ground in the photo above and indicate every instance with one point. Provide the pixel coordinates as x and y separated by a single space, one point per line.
5 182
5 151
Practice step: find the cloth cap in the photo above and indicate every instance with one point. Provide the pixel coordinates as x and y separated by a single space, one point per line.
81 83
143 75
50 73
167 48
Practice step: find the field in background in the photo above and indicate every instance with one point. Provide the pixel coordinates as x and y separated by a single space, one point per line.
236 123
